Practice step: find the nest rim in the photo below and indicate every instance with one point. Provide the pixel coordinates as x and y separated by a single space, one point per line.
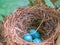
21 38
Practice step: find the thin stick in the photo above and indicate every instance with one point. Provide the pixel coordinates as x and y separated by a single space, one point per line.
40 24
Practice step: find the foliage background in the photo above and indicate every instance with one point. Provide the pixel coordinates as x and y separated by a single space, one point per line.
8 6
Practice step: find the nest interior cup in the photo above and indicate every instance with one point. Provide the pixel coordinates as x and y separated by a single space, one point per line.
18 24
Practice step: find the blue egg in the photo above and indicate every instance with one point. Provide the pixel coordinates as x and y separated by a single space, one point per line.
37 40
34 33
27 37
32 30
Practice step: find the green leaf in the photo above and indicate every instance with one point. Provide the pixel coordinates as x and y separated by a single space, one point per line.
49 3
31 2
57 3
8 6
1 18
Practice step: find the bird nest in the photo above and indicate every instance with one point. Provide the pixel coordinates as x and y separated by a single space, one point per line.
44 19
